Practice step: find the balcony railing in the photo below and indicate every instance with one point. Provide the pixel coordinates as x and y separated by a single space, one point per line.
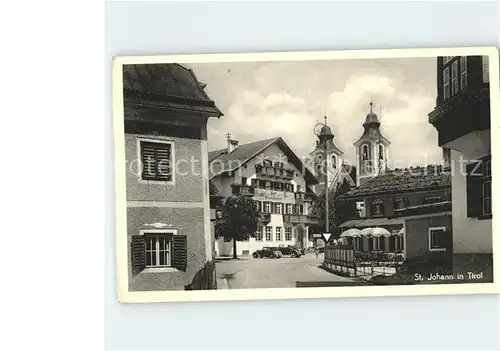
239 189
301 196
272 171
300 219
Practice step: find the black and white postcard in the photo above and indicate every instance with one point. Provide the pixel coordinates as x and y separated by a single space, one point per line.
306 174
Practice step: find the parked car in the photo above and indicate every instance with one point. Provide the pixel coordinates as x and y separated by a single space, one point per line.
291 251
267 252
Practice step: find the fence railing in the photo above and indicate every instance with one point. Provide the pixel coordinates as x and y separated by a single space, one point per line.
346 260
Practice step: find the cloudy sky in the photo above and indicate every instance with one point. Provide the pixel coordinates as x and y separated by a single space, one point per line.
268 99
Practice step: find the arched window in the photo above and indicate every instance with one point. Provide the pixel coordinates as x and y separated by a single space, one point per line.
381 152
364 152
334 161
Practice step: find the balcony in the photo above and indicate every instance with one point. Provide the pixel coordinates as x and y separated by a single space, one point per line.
264 218
272 171
462 114
300 219
301 197
239 189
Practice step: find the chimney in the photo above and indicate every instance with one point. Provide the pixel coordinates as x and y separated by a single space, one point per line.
231 143
446 157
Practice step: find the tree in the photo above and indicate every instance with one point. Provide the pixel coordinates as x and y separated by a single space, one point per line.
337 213
239 220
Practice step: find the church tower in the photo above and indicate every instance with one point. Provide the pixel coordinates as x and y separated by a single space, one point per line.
372 150
327 160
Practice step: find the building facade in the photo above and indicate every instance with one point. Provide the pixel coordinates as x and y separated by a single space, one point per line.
271 174
413 205
372 150
462 119
168 206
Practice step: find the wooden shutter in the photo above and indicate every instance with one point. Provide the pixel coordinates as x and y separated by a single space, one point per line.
474 190
138 254
179 248
148 161
156 161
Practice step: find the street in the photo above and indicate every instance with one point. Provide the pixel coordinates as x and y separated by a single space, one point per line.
251 273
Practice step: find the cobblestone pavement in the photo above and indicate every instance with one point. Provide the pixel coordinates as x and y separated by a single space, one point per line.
251 273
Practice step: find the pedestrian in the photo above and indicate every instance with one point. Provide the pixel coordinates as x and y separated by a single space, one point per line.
316 252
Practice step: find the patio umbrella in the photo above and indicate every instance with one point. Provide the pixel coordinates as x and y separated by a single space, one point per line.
377 231
353 232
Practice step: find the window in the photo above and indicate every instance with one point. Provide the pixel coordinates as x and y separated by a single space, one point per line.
299 188
267 163
479 195
437 238
381 152
227 240
400 202
486 69
360 209
158 249
446 83
258 234
258 206
487 188
381 243
463 73
364 152
454 78
267 207
268 184
289 208
244 180
299 209
334 161
378 208
278 208
446 59
156 160
254 182
288 233
278 234
269 233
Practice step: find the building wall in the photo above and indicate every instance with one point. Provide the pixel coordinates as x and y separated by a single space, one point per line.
188 184
187 221
182 206
470 235
417 234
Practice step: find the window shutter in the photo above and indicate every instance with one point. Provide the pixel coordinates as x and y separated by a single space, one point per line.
148 161
179 245
474 190
138 254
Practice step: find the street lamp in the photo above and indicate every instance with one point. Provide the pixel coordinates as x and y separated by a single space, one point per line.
317 130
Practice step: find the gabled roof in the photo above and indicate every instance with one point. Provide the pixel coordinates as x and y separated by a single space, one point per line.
403 180
166 85
221 161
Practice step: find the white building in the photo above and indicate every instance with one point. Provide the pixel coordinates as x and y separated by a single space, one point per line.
279 182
